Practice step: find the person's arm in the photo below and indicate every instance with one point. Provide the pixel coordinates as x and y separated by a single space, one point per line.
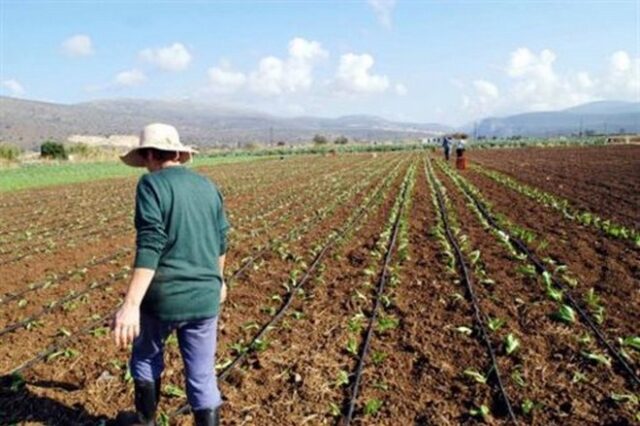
126 324
223 290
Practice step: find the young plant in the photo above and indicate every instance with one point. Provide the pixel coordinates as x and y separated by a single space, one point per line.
378 357
475 376
352 346
174 391
372 407
511 344
481 412
597 358
343 378
495 324
566 314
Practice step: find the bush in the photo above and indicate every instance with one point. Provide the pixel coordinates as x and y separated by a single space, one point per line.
53 150
9 152
341 140
320 140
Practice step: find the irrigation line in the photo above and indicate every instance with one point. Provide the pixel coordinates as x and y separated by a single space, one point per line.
518 244
8 297
380 289
224 373
466 278
60 302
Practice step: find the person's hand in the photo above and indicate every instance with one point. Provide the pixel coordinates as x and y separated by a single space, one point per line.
223 292
126 325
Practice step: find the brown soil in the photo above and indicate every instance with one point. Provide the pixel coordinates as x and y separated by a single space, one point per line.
604 180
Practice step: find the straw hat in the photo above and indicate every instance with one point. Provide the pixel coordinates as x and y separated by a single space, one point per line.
159 136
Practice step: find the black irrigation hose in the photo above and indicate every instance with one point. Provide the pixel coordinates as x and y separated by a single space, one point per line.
351 402
61 343
540 268
60 302
466 278
8 297
290 297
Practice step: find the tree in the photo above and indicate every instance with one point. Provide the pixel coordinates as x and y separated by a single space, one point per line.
320 140
341 140
53 150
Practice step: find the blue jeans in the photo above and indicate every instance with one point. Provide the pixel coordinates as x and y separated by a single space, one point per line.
197 341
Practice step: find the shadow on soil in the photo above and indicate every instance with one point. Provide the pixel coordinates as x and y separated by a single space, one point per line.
19 405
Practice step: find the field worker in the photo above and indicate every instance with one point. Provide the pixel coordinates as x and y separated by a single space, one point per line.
460 146
177 282
446 145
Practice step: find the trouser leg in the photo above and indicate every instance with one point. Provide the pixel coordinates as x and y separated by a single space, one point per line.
197 341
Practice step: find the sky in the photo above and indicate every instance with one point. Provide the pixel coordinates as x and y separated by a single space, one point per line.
444 61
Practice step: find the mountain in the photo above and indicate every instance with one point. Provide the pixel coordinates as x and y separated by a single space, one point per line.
597 117
28 123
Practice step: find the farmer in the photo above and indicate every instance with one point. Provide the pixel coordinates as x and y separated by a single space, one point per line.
460 146
177 282
446 145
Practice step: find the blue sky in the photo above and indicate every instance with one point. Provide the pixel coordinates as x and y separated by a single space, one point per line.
443 61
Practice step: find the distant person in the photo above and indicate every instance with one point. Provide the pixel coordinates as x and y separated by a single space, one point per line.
177 282
460 146
446 145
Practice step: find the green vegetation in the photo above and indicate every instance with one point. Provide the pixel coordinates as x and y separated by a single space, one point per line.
9 152
34 176
53 150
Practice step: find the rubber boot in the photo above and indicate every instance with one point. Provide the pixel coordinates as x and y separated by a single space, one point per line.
207 417
146 395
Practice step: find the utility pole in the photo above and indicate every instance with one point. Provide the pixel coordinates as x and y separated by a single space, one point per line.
271 135
581 122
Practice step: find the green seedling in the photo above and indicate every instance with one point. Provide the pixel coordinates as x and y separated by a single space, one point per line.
352 346
495 324
378 357
624 398
511 344
527 270
99 331
597 358
387 323
64 332
632 342
251 325
481 412
578 377
343 378
592 299
475 376
22 303
355 323
297 315
17 382
174 391
474 256
372 407
239 348
334 410
528 406
383 386
260 345
516 376
566 314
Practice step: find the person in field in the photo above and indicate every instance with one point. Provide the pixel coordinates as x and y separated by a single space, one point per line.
461 146
446 145
177 281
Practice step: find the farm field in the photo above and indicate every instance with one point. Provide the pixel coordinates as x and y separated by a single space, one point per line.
386 289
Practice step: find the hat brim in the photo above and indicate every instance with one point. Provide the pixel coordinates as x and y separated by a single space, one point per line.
133 158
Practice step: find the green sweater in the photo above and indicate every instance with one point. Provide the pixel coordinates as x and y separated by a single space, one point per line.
181 232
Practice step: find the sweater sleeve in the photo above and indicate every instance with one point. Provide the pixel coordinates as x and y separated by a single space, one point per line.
151 237
223 224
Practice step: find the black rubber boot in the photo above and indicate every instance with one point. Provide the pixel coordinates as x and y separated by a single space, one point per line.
147 395
207 417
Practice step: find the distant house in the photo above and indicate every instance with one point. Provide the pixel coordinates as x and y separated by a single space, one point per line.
624 139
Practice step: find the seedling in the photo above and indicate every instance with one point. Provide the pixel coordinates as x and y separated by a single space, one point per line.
372 407
387 323
474 375
378 357
625 398
260 345
334 410
511 344
597 358
343 378
528 406
566 314
464 330
481 412
633 342
99 331
517 378
174 391
352 346
495 324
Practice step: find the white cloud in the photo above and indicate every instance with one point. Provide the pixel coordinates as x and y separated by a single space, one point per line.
275 76
354 76
175 57
401 89
224 80
78 45
486 89
14 87
131 77
383 10
623 80
620 61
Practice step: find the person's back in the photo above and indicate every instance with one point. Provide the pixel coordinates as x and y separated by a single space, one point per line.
189 210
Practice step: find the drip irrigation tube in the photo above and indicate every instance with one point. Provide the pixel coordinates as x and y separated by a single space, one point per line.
466 278
540 269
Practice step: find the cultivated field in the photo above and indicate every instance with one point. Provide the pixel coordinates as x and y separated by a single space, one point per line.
384 289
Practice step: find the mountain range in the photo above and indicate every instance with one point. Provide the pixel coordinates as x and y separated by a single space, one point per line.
27 123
